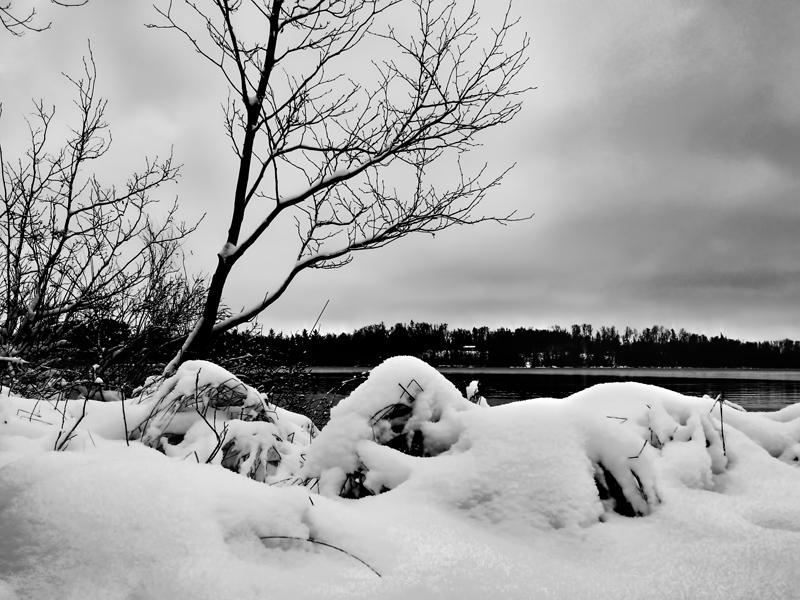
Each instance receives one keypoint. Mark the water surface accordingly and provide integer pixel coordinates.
(764, 390)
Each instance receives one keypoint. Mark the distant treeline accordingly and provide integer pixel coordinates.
(579, 346)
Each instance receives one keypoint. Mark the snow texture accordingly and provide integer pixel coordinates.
(227, 251)
(472, 390)
(473, 396)
(404, 403)
(525, 500)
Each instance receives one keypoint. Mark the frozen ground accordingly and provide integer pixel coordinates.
(524, 500)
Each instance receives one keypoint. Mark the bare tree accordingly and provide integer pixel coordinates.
(19, 23)
(159, 315)
(343, 144)
(73, 248)
(171, 300)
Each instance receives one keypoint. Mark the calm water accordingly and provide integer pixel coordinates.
(753, 389)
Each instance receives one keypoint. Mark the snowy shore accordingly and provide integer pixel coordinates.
(212, 492)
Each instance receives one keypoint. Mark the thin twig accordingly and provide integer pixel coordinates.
(320, 314)
(722, 426)
(30, 418)
(220, 441)
(640, 451)
(69, 436)
(35, 406)
(125, 423)
(313, 541)
(639, 486)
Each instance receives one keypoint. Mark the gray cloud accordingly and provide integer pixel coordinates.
(659, 154)
(760, 281)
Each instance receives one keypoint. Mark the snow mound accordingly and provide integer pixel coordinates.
(405, 405)
(522, 500)
(201, 413)
(196, 389)
(543, 462)
(131, 523)
(473, 394)
(204, 412)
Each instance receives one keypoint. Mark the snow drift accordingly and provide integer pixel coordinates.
(622, 491)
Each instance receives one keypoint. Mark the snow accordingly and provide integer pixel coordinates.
(475, 501)
(473, 396)
(402, 392)
(227, 251)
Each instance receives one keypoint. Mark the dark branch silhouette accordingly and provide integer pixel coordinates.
(19, 23)
(74, 249)
(341, 147)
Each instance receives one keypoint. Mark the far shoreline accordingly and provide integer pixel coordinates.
(680, 372)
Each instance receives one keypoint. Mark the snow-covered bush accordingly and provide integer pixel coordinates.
(473, 395)
(202, 412)
(197, 391)
(405, 405)
(610, 448)
(517, 499)
(205, 412)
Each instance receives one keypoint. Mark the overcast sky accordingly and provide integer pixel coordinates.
(660, 155)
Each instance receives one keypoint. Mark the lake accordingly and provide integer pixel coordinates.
(755, 390)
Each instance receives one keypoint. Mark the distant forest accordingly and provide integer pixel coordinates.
(578, 346)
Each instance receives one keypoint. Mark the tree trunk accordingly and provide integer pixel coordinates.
(202, 334)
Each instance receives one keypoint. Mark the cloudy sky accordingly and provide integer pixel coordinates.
(660, 154)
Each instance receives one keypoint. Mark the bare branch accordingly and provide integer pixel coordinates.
(18, 25)
(358, 151)
(73, 248)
